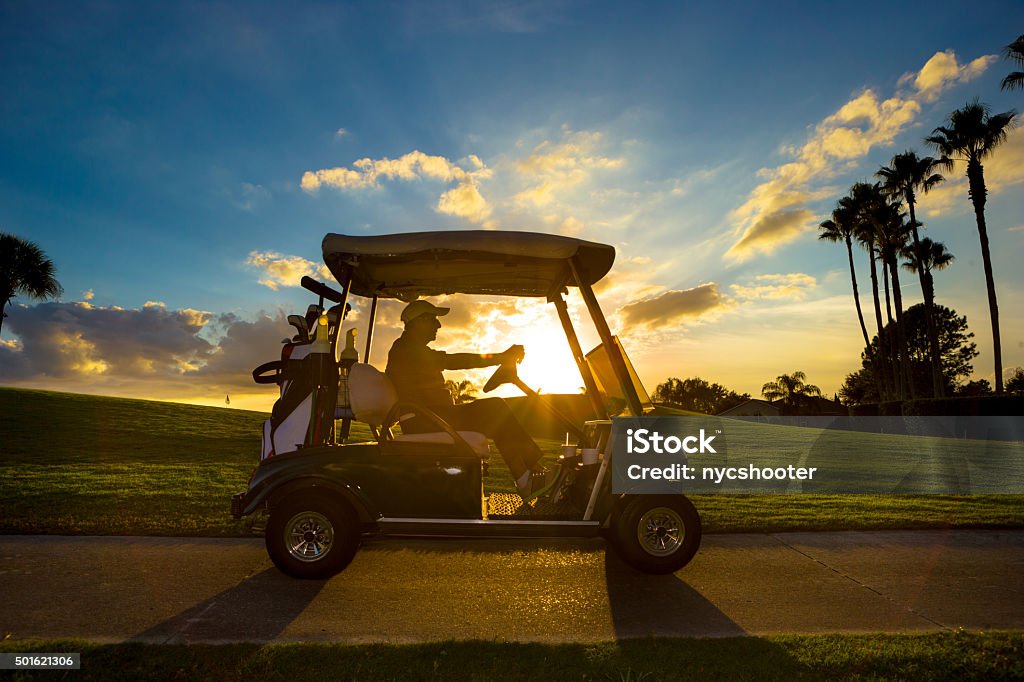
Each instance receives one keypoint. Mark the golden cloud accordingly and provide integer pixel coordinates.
(279, 270)
(465, 201)
(793, 285)
(772, 230)
(943, 71)
(671, 306)
(555, 167)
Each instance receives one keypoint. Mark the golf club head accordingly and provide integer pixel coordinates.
(299, 322)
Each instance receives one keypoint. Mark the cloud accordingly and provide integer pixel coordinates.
(279, 270)
(249, 196)
(69, 340)
(943, 71)
(771, 230)
(669, 307)
(775, 212)
(88, 295)
(789, 286)
(1002, 171)
(147, 352)
(464, 200)
(340, 133)
(554, 167)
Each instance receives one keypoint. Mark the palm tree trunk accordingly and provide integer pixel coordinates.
(929, 302)
(976, 180)
(906, 378)
(5, 298)
(894, 362)
(885, 282)
(882, 365)
(929, 312)
(856, 294)
(860, 318)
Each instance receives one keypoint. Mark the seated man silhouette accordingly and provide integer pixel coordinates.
(416, 371)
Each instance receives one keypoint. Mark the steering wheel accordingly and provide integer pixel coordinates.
(506, 374)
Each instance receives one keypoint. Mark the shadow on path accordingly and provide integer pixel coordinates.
(258, 609)
(660, 605)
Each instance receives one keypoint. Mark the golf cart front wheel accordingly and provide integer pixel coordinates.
(657, 533)
(312, 536)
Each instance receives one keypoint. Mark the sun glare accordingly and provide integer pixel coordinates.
(548, 366)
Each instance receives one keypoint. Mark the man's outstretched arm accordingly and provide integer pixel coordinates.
(478, 360)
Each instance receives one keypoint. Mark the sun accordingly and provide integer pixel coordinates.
(549, 366)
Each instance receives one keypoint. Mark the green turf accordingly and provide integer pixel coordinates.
(937, 656)
(77, 464)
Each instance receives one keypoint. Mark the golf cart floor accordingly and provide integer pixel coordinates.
(511, 506)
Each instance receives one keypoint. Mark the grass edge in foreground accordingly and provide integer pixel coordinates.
(937, 655)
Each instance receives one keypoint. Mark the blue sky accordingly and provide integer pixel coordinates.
(174, 159)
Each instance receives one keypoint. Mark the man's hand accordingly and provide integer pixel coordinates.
(513, 353)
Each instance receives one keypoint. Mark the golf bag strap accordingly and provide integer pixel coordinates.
(276, 371)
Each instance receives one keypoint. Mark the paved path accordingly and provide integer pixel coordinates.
(213, 590)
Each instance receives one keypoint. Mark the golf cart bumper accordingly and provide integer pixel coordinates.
(238, 505)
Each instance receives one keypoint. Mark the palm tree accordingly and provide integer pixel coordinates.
(841, 228)
(925, 257)
(904, 175)
(462, 391)
(862, 202)
(25, 270)
(893, 236)
(791, 389)
(972, 134)
(1015, 52)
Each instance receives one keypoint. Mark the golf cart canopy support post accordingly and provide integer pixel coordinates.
(577, 354)
(369, 329)
(614, 355)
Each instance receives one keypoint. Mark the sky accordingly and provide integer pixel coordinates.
(181, 162)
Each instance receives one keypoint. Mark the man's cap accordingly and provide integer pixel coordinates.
(419, 308)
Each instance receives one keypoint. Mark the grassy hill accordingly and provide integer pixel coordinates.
(82, 464)
(71, 428)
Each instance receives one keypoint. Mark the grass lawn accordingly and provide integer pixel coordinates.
(76, 464)
(944, 656)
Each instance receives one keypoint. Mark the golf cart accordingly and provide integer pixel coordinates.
(324, 495)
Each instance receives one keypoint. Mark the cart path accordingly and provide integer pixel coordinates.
(219, 590)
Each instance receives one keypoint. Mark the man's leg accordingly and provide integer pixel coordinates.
(493, 418)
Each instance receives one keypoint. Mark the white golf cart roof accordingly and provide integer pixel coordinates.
(408, 266)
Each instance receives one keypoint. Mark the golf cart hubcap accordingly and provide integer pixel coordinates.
(308, 536)
(660, 531)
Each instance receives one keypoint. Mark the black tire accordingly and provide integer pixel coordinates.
(309, 535)
(657, 533)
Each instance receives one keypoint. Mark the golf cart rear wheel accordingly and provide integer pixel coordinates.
(311, 536)
(657, 533)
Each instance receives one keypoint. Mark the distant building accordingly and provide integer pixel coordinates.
(811, 406)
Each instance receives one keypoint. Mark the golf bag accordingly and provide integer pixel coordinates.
(303, 415)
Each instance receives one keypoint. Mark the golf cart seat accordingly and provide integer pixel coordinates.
(375, 402)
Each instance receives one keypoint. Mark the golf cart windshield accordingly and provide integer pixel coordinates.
(505, 263)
